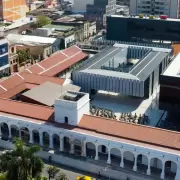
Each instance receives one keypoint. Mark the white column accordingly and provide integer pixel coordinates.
(149, 166)
(162, 172)
(84, 148)
(109, 157)
(97, 155)
(72, 147)
(41, 139)
(135, 163)
(122, 159)
(51, 145)
(31, 141)
(177, 177)
(61, 143)
(10, 135)
(19, 132)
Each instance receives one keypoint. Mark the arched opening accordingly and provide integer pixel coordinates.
(103, 153)
(170, 170)
(77, 147)
(46, 139)
(56, 141)
(128, 160)
(67, 145)
(36, 137)
(90, 150)
(24, 132)
(4, 130)
(14, 131)
(142, 163)
(115, 156)
(156, 167)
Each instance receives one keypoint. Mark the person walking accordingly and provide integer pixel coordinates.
(99, 176)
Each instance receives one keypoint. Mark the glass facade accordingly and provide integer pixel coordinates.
(130, 29)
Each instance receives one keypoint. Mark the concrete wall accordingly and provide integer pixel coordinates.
(74, 110)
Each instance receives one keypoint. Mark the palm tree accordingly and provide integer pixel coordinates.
(21, 163)
(52, 171)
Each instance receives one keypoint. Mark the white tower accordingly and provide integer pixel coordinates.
(71, 106)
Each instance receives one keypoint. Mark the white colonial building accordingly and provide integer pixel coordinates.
(68, 127)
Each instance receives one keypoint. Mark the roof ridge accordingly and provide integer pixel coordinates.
(140, 125)
(66, 59)
(21, 102)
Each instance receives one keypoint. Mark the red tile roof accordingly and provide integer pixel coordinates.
(53, 71)
(35, 69)
(40, 79)
(52, 60)
(139, 133)
(12, 81)
(14, 91)
(64, 59)
(26, 110)
(22, 81)
(71, 50)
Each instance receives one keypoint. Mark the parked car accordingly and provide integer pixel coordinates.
(85, 178)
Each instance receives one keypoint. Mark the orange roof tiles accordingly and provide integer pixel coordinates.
(26, 110)
(14, 91)
(39, 79)
(59, 58)
(64, 65)
(35, 69)
(71, 50)
(22, 81)
(52, 60)
(149, 135)
(12, 81)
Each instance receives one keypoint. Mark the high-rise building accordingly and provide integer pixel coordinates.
(155, 7)
(123, 2)
(99, 10)
(12, 9)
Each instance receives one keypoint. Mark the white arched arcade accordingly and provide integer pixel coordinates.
(128, 156)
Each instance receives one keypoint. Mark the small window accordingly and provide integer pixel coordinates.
(66, 120)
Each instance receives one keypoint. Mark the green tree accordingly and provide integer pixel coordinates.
(3, 176)
(42, 21)
(61, 176)
(21, 163)
(52, 171)
(23, 55)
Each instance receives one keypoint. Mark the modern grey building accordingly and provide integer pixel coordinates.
(99, 10)
(125, 69)
(155, 7)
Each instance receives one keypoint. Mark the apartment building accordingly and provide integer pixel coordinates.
(12, 9)
(155, 7)
(100, 10)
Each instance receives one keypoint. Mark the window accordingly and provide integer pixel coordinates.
(66, 120)
(103, 149)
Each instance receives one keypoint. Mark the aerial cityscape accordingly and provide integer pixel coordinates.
(90, 90)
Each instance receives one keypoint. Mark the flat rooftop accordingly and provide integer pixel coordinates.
(59, 27)
(120, 104)
(48, 92)
(140, 70)
(174, 68)
(137, 17)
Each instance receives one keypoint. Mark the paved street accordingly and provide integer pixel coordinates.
(71, 173)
